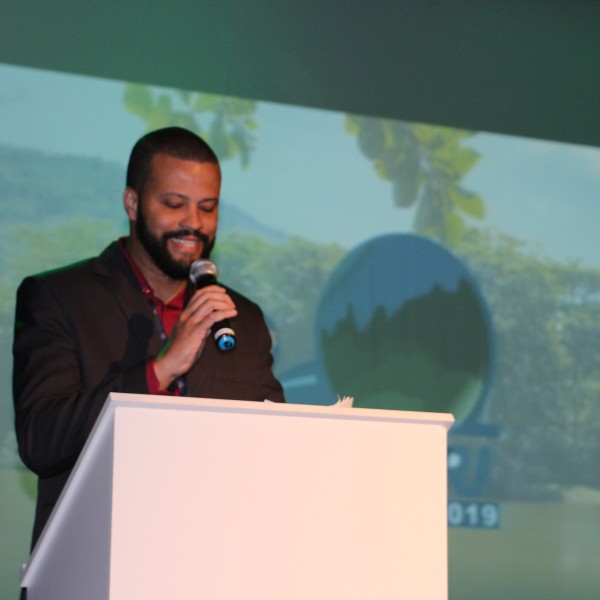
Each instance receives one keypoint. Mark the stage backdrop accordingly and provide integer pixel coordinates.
(409, 265)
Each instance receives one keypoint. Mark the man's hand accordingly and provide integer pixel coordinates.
(208, 306)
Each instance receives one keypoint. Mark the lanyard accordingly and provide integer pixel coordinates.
(179, 386)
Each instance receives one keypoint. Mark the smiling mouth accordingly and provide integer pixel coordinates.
(186, 245)
(186, 242)
(189, 244)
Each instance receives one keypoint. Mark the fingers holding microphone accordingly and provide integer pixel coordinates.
(208, 308)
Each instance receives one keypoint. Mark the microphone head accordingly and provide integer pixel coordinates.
(202, 268)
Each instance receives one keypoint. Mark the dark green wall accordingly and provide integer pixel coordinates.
(526, 67)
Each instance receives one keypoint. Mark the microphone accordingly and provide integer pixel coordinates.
(202, 273)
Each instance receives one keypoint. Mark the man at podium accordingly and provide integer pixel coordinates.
(129, 320)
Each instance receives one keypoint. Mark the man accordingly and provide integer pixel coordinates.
(128, 321)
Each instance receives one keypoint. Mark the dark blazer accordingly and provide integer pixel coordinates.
(87, 330)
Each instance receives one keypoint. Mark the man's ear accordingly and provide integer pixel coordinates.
(130, 202)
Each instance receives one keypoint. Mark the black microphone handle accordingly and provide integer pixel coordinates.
(224, 335)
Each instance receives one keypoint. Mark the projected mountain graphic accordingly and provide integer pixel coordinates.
(402, 325)
(41, 188)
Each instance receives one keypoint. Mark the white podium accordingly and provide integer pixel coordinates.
(213, 499)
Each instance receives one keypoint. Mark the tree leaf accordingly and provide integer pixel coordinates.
(469, 203)
(371, 138)
(138, 99)
(454, 228)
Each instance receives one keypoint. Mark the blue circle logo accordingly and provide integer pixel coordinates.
(401, 324)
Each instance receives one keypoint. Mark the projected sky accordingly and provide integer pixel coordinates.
(535, 190)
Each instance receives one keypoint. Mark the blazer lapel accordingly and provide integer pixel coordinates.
(123, 285)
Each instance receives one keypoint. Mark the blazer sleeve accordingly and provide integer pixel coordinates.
(270, 387)
(246, 373)
(54, 408)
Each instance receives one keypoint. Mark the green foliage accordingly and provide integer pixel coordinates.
(425, 165)
(286, 280)
(227, 124)
(34, 250)
(545, 394)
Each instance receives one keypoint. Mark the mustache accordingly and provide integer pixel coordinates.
(187, 232)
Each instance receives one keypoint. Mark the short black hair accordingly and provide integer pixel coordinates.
(173, 141)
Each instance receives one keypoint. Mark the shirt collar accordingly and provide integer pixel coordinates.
(177, 301)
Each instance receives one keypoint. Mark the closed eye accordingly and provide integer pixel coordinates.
(173, 205)
(209, 205)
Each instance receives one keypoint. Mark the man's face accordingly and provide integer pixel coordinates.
(176, 216)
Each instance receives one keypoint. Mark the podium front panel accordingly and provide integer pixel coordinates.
(195, 498)
(277, 504)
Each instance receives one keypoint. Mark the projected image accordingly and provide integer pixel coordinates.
(402, 326)
(412, 266)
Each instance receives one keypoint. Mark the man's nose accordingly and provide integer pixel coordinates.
(193, 218)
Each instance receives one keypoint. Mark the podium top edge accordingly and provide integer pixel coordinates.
(116, 399)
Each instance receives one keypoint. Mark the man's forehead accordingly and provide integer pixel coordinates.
(164, 158)
(165, 165)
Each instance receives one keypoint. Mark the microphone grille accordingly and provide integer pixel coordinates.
(202, 267)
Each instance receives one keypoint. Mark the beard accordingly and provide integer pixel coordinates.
(158, 250)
